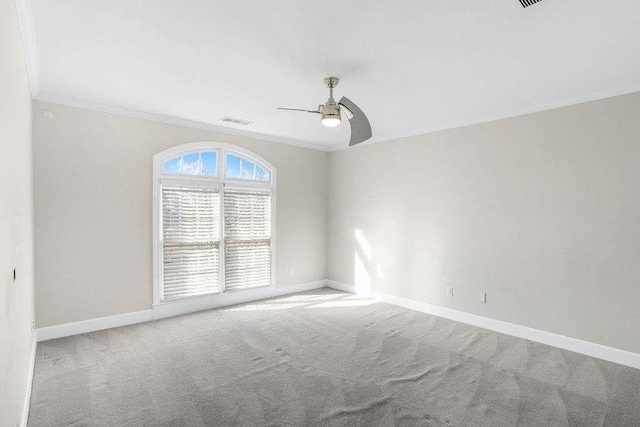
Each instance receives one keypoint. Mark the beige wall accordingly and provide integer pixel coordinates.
(93, 201)
(16, 220)
(541, 211)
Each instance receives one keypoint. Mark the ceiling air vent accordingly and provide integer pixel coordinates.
(235, 121)
(527, 3)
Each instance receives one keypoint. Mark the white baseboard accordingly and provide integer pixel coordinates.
(171, 309)
(599, 351)
(176, 308)
(341, 287)
(27, 396)
(91, 325)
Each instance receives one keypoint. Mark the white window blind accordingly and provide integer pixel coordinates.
(191, 241)
(247, 238)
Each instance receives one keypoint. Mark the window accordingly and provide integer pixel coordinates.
(247, 238)
(190, 241)
(237, 167)
(213, 221)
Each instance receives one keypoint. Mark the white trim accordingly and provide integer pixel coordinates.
(599, 351)
(341, 287)
(184, 180)
(91, 325)
(27, 31)
(27, 396)
(546, 106)
(171, 309)
(455, 124)
(156, 249)
(176, 121)
(223, 259)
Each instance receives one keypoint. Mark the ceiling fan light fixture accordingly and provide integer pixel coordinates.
(331, 121)
(330, 111)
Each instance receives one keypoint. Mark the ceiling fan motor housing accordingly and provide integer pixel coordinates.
(330, 109)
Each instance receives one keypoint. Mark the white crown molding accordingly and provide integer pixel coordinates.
(54, 99)
(25, 20)
(27, 396)
(171, 309)
(567, 102)
(328, 148)
(336, 147)
(587, 348)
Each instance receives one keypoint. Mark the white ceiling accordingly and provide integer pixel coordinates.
(412, 66)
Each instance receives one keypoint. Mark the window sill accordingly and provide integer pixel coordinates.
(209, 301)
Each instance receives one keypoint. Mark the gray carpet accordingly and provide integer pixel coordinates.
(322, 358)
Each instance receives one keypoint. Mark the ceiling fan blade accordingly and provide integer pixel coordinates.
(360, 126)
(298, 109)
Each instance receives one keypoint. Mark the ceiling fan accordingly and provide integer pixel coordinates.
(331, 110)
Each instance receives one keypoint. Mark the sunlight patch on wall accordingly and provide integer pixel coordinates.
(362, 280)
(364, 244)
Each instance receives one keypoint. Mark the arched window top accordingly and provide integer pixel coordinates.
(203, 163)
(240, 167)
(214, 161)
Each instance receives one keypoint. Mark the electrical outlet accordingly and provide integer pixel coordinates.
(33, 324)
(291, 272)
(482, 297)
(449, 291)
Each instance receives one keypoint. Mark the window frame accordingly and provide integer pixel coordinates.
(220, 182)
